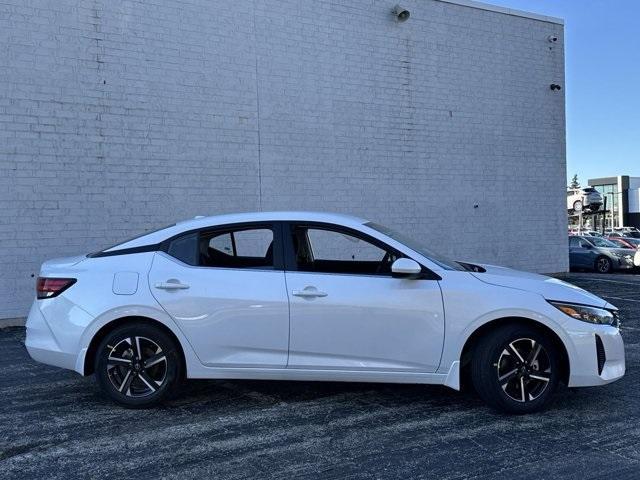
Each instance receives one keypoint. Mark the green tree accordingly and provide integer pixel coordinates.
(574, 182)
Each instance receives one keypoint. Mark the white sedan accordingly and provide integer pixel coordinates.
(313, 296)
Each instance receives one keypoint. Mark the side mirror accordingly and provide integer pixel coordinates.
(406, 268)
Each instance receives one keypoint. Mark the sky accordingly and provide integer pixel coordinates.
(602, 40)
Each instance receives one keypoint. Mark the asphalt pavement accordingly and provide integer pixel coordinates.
(56, 424)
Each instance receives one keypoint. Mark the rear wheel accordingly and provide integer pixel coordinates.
(138, 365)
(515, 369)
(603, 265)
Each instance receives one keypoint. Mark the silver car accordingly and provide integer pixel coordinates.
(587, 198)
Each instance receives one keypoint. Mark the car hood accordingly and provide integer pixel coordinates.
(549, 288)
(620, 251)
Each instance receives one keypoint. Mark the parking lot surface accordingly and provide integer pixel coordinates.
(56, 424)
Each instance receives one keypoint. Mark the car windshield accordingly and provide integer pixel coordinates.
(601, 242)
(436, 258)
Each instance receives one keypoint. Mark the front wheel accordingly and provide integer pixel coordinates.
(515, 369)
(138, 365)
(603, 265)
(577, 206)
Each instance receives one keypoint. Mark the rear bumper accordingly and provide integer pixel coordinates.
(43, 345)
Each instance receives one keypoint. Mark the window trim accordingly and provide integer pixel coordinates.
(290, 262)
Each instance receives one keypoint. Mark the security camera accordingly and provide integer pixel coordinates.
(552, 38)
(555, 86)
(401, 14)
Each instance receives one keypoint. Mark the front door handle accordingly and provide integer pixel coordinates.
(308, 292)
(171, 285)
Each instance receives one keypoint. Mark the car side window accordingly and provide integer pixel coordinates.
(185, 249)
(222, 243)
(574, 242)
(332, 251)
(240, 248)
(246, 248)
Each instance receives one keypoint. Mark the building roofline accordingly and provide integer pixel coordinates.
(505, 10)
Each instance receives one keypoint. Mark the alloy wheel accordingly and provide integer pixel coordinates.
(136, 366)
(524, 370)
(603, 265)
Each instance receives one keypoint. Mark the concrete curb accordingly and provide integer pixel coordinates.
(12, 322)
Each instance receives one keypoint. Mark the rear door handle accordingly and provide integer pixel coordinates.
(171, 285)
(308, 292)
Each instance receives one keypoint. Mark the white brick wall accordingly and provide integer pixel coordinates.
(117, 116)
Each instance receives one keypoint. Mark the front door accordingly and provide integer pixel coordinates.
(225, 288)
(349, 313)
(581, 253)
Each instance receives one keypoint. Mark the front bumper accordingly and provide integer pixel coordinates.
(588, 367)
(624, 263)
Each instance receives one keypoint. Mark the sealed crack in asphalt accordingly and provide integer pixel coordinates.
(56, 424)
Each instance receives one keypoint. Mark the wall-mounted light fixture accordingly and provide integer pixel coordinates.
(555, 86)
(401, 14)
(552, 39)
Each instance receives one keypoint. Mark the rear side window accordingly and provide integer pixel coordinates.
(252, 248)
(185, 249)
(241, 248)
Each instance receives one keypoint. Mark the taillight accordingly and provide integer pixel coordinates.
(52, 287)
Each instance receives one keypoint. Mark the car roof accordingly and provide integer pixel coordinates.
(273, 216)
(234, 218)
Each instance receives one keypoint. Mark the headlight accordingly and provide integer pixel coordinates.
(595, 315)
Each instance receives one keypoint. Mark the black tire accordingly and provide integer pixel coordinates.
(143, 386)
(494, 360)
(603, 264)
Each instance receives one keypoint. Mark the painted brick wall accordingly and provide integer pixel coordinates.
(118, 116)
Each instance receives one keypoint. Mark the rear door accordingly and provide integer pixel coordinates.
(349, 313)
(225, 288)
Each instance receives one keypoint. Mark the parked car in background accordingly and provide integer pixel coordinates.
(587, 198)
(625, 242)
(313, 296)
(589, 233)
(628, 232)
(599, 254)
